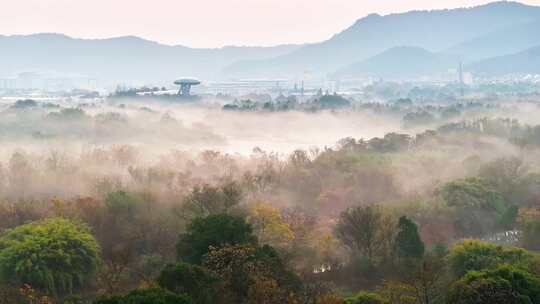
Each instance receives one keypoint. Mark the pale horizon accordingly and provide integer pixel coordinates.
(264, 23)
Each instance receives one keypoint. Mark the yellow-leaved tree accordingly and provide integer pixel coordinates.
(269, 225)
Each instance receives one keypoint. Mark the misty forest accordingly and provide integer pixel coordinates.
(396, 175)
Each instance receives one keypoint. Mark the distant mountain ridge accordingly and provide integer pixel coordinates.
(404, 62)
(435, 31)
(525, 62)
(126, 58)
(498, 43)
(373, 44)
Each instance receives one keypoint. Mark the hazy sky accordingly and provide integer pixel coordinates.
(203, 23)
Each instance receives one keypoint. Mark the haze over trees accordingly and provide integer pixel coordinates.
(401, 191)
(379, 220)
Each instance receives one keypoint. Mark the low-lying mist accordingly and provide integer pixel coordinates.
(91, 148)
(157, 128)
(457, 170)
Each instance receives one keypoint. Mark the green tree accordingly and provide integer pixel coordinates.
(195, 281)
(398, 293)
(408, 242)
(328, 101)
(503, 285)
(477, 204)
(505, 175)
(116, 227)
(122, 205)
(527, 190)
(477, 255)
(146, 296)
(419, 118)
(365, 298)
(508, 219)
(55, 255)
(252, 273)
(206, 200)
(531, 235)
(213, 231)
(425, 278)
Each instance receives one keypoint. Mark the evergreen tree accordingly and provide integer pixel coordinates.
(215, 230)
(408, 242)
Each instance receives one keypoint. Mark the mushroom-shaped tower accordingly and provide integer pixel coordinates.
(185, 85)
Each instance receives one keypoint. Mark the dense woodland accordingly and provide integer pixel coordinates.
(447, 214)
(394, 162)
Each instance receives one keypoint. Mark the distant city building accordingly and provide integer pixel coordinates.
(244, 86)
(50, 81)
(8, 83)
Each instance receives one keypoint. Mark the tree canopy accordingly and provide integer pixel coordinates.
(55, 255)
(408, 243)
(147, 296)
(198, 283)
(479, 206)
(364, 230)
(214, 230)
(253, 274)
(476, 255)
(365, 298)
(503, 284)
